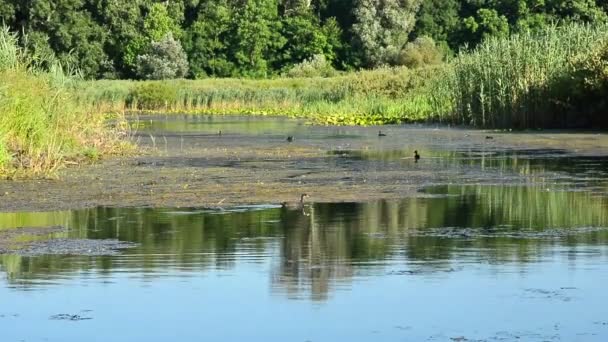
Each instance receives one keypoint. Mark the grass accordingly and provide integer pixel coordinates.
(526, 80)
(365, 97)
(554, 78)
(42, 126)
(523, 81)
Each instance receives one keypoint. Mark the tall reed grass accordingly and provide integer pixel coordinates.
(41, 123)
(527, 80)
(388, 95)
(524, 81)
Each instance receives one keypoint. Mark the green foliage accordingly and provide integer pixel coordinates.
(316, 66)
(588, 85)
(155, 27)
(487, 23)
(523, 81)
(382, 28)
(257, 36)
(264, 38)
(421, 52)
(155, 95)
(165, 59)
(42, 124)
(306, 38)
(206, 40)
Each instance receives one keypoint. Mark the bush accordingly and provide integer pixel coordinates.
(152, 96)
(421, 52)
(316, 66)
(165, 59)
(587, 87)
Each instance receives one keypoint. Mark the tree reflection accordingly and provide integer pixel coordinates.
(328, 244)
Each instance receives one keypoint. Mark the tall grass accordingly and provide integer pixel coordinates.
(41, 123)
(527, 80)
(523, 81)
(388, 95)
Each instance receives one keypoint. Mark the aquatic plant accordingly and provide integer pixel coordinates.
(522, 81)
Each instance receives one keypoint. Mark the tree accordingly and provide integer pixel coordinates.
(382, 28)
(123, 20)
(438, 19)
(255, 36)
(165, 60)
(156, 25)
(67, 28)
(304, 38)
(207, 39)
(486, 23)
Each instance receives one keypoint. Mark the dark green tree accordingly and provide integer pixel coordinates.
(255, 37)
(207, 39)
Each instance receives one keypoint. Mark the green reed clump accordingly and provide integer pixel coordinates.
(528, 80)
(521, 81)
(42, 125)
(386, 95)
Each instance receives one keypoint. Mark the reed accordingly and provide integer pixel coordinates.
(42, 125)
(523, 81)
(527, 80)
(387, 95)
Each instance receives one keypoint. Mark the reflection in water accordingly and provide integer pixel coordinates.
(328, 244)
(590, 173)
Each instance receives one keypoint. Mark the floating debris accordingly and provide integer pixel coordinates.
(87, 247)
(68, 317)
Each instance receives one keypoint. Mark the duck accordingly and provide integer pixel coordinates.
(380, 134)
(219, 133)
(290, 138)
(298, 205)
(489, 137)
(416, 156)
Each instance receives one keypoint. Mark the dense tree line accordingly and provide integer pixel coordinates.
(259, 38)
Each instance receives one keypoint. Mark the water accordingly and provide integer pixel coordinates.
(490, 261)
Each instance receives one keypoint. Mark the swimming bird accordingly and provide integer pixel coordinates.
(489, 137)
(380, 134)
(290, 138)
(219, 133)
(298, 205)
(416, 156)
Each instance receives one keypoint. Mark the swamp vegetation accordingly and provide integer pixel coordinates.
(42, 125)
(555, 78)
(550, 78)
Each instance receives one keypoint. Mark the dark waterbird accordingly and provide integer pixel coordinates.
(380, 134)
(296, 205)
(290, 138)
(489, 137)
(416, 156)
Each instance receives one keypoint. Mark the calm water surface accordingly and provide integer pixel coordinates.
(491, 262)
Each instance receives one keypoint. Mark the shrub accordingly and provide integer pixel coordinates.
(421, 52)
(316, 66)
(152, 96)
(165, 59)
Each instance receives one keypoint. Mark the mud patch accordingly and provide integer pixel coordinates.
(86, 247)
(36, 241)
(504, 232)
(16, 238)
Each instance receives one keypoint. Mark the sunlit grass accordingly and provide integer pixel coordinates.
(42, 125)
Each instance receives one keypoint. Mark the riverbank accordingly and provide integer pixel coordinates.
(549, 79)
(186, 164)
(553, 78)
(42, 125)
